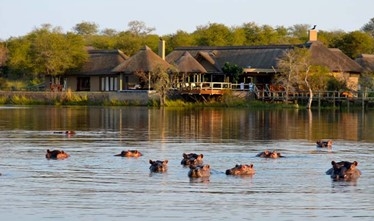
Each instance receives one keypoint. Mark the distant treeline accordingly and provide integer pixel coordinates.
(49, 50)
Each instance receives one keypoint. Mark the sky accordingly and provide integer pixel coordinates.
(20, 17)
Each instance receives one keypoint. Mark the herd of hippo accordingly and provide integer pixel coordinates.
(343, 170)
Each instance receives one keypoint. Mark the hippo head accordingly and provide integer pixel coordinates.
(192, 159)
(129, 153)
(344, 170)
(324, 143)
(269, 154)
(133, 153)
(70, 132)
(158, 166)
(241, 169)
(56, 154)
(274, 154)
(199, 171)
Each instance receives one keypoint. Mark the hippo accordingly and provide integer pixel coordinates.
(56, 154)
(158, 166)
(192, 159)
(269, 154)
(129, 153)
(241, 169)
(344, 170)
(324, 143)
(67, 132)
(199, 171)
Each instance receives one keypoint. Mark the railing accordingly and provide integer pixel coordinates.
(269, 92)
(205, 85)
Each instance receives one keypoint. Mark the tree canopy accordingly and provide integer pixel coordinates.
(46, 51)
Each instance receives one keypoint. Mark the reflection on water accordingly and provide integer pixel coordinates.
(94, 185)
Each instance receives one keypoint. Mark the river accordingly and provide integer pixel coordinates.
(93, 184)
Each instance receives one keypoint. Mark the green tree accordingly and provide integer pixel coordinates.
(369, 27)
(319, 77)
(300, 32)
(213, 34)
(180, 38)
(237, 36)
(139, 28)
(110, 32)
(252, 33)
(355, 43)
(102, 42)
(128, 43)
(19, 60)
(233, 71)
(86, 28)
(366, 81)
(329, 38)
(3, 53)
(47, 51)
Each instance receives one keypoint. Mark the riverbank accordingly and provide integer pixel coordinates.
(126, 98)
(129, 98)
(151, 99)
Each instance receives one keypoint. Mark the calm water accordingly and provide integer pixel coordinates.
(94, 185)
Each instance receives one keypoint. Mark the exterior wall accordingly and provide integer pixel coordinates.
(351, 79)
(72, 83)
(95, 83)
(353, 83)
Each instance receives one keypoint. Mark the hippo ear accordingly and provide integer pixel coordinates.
(333, 163)
(201, 155)
(251, 166)
(207, 166)
(165, 162)
(355, 163)
(150, 161)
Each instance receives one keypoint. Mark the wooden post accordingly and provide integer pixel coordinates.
(319, 100)
(362, 99)
(348, 103)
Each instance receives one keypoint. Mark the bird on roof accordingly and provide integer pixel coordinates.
(314, 27)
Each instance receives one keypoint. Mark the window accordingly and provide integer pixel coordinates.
(83, 84)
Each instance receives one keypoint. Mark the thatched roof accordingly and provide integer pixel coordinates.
(264, 57)
(143, 61)
(188, 64)
(333, 58)
(102, 62)
(366, 61)
(213, 58)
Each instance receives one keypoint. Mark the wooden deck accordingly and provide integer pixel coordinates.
(216, 89)
(205, 88)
